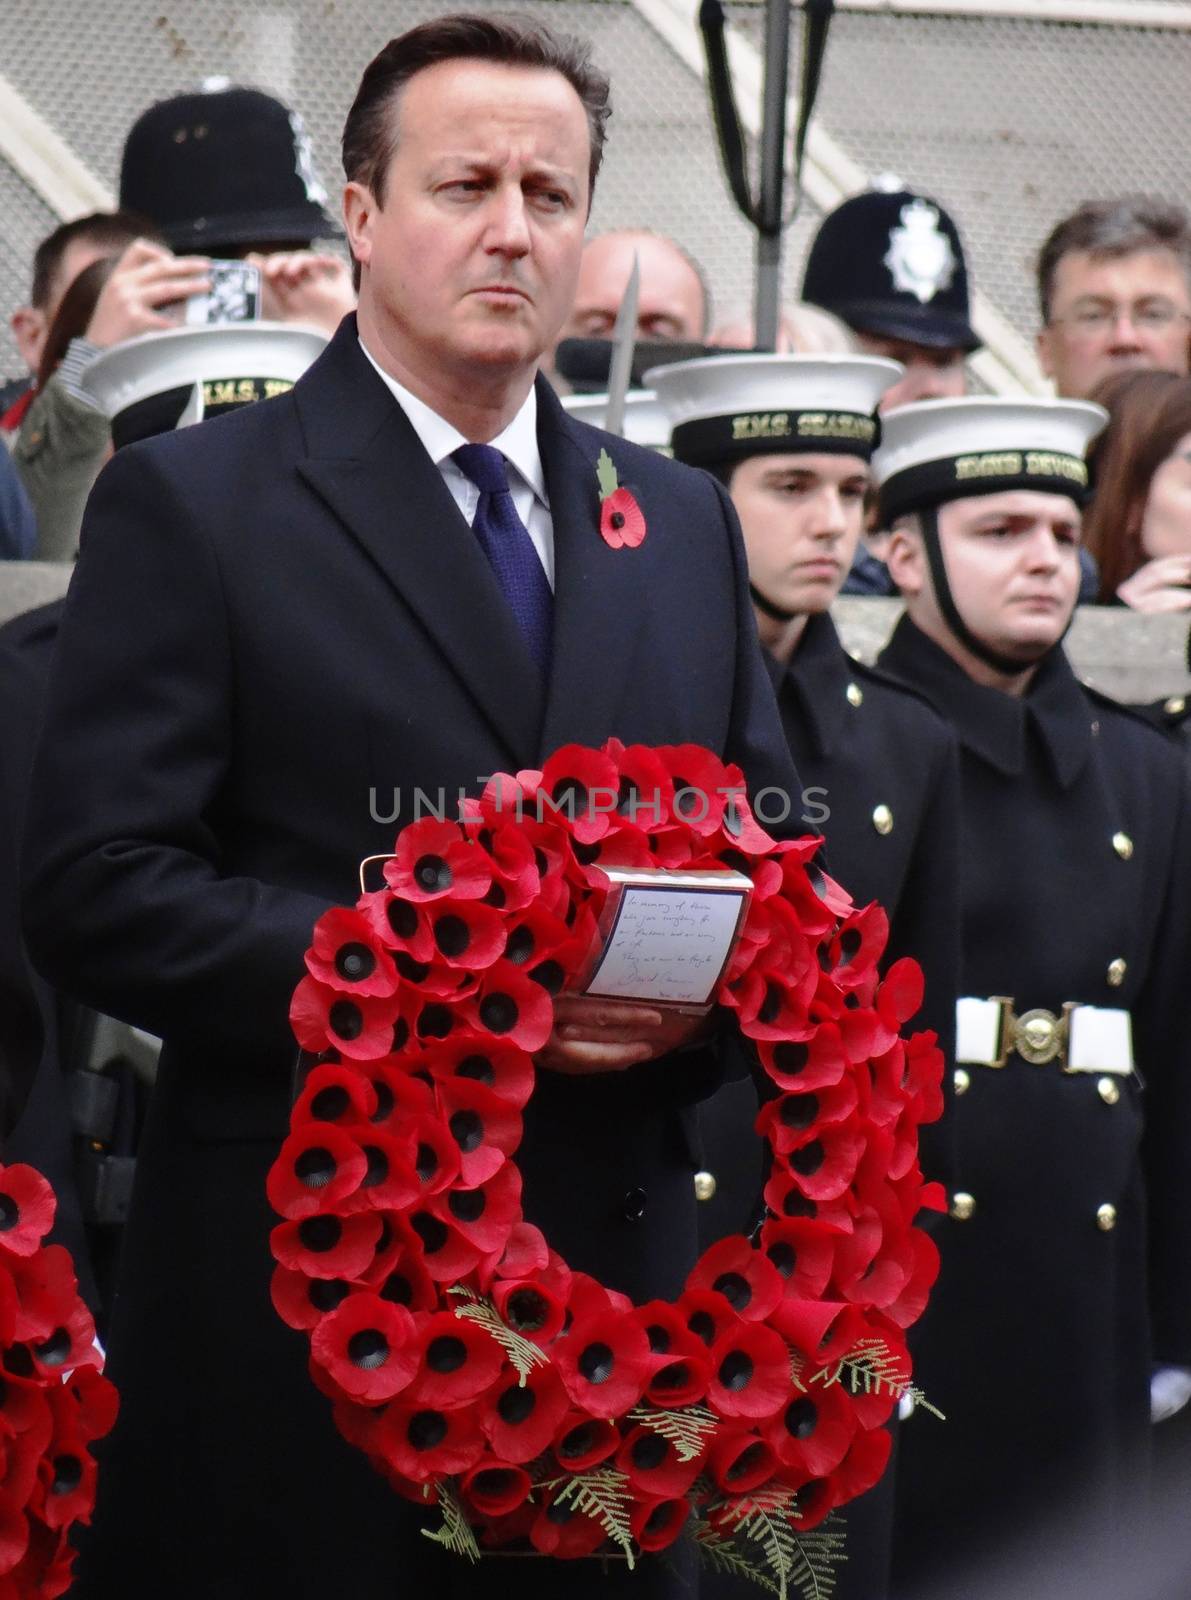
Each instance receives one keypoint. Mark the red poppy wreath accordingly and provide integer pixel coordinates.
(461, 1353)
(54, 1403)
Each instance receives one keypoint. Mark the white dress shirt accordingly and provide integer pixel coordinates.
(519, 446)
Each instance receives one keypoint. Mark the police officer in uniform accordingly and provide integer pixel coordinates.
(791, 438)
(1066, 1256)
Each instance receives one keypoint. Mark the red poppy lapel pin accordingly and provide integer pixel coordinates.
(621, 519)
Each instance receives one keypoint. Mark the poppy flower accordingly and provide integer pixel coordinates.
(824, 1166)
(812, 1432)
(590, 1298)
(447, 1254)
(478, 1058)
(791, 1121)
(856, 946)
(900, 995)
(467, 934)
(816, 899)
(326, 1246)
(456, 1361)
(303, 1302)
(645, 791)
(399, 1273)
(622, 522)
(486, 1128)
(435, 1153)
(701, 785)
(345, 953)
(874, 1261)
(680, 1372)
(27, 1207)
(422, 1443)
(334, 1093)
(496, 1532)
(509, 1007)
(484, 1213)
(862, 1467)
(801, 1065)
(822, 1331)
(399, 1091)
(520, 1419)
(739, 1461)
(653, 1466)
(529, 1309)
(88, 1400)
(582, 785)
(786, 1201)
(707, 1314)
(68, 1483)
(605, 1363)
(433, 859)
(46, 1291)
(748, 1282)
(655, 1524)
(360, 1026)
(802, 1250)
(496, 1488)
(582, 1442)
(924, 1270)
(390, 1181)
(561, 1531)
(318, 1167)
(750, 1371)
(526, 1253)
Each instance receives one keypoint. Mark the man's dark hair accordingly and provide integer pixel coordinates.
(1113, 228)
(370, 132)
(108, 230)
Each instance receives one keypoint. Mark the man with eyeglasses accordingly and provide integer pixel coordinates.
(1114, 286)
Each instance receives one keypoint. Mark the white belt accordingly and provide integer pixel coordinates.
(1084, 1038)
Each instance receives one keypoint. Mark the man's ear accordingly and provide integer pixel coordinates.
(29, 332)
(1045, 354)
(359, 220)
(905, 557)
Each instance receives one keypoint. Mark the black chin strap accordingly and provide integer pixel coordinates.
(774, 613)
(1011, 666)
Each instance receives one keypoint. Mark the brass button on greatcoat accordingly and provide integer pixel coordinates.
(704, 1186)
(963, 1080)
(1106, 1218)
(855, 694)
(962, 1206)
(1109, 1090)
(1116, 971)
(1175, 705)
(1123, 845)
(883, 819)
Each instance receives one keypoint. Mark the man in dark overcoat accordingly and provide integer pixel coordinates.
(1066, 1269)
(280, 627)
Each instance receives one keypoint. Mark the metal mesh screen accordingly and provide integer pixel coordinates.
(1009, 123)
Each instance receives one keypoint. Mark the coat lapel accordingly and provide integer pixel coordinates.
(598, 608)
(368, 466)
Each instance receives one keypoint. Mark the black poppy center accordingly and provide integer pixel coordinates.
(426, 1162)
(452, 936)
(784, 1257)
(659, 1339)
(446, 1354)
(659, 1518)
(478, 1068)
(378, 1167)
(801, 1417)
(384, 1101)
(849, 945)
(403, 918)
(747, 1461)
(520, 946)
(649, 1451)
(526, 1310)
(320, 1234)
(674, 1376)
(770, 1008)
(686, 798)
(315, 1167)
(432, 874)
(799, 1110)
(702, 1325)
(736, 1290)
(493, 1483)
(736, 1370)
(435, 1022)
(617, 520)
(68, 1474)
(54, 1351)
(560, 1514)
(398, 1290)
(329, 1104)
(346, 1019)
(571, 796)
(412, 971)
(426, 1429)
(368, 1349)
(468, 1204)
(790, 1058)
(467, 1130)
(516, 1406)
(596, 1363)
(354, 962)
(499, 1013)
(797, 1205)
(809, 1159)
(431, 1231)
(578, 1441)
(550, 975)
(325, 1294)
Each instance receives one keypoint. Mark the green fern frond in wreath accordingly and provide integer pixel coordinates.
(872, 1368)
(603, 1494)
(522, 1353)
(456, 1533)
(688, 1431)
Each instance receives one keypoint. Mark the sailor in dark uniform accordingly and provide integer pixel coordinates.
(791, 438)
(1067, 1256)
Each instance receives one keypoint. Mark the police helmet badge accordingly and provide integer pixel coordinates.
(920, 258)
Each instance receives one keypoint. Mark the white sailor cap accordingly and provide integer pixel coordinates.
(645, 422)
(165, 380)
(940, 450)
(724, 408)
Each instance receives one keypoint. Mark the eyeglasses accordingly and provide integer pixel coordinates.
(1154, 316)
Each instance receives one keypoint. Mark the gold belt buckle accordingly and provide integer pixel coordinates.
(1039, 1036)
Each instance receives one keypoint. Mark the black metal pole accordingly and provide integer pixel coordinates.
(772, 173)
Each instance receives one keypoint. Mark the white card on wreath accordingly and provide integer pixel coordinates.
(667, 936)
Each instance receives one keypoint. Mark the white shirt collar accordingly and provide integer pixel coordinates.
(518, 443)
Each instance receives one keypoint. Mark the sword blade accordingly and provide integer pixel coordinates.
(624, 342)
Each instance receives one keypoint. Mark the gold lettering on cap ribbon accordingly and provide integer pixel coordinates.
(1001, 464)
(761, 425)
(836, 425)
(1046, 464)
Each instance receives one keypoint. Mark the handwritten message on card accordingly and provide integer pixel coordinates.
(668, 943)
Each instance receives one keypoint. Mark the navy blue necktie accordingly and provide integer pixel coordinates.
(510, 550)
